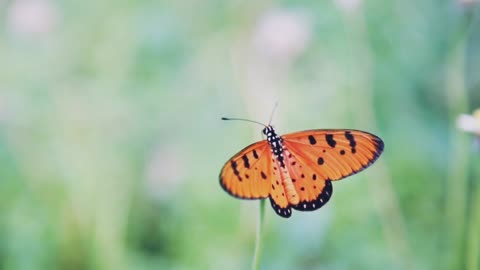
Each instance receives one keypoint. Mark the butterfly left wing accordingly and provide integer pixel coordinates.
(247, 175)
(314, 158)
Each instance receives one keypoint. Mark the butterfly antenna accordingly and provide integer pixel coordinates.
(242, 119)
(273, 112)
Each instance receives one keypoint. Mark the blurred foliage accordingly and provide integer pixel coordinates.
(111, 143)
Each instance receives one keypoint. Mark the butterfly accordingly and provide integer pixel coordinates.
(296, 170)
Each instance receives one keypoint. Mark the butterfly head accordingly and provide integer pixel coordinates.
(268, 131)
(272, 137)
(275, 142)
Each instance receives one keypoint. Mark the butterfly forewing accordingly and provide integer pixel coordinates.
(248, 175)
(333, 154)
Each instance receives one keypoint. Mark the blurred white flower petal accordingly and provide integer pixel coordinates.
(32, 17)
(282, 34)
(469, 123)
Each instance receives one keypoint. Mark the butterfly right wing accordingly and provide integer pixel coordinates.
(316, 157)
(248, 174)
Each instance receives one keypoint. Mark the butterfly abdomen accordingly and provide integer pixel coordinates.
(290, 192)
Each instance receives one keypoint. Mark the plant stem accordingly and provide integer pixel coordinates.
(258, 240)
(473, 240)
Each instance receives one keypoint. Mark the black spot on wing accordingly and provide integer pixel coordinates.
(245, 161)
(264, 176)
(320, 161)
(320, 201)
(311, 139)
(351, 140)
(255, 155)
(234, 167)
(330, 140)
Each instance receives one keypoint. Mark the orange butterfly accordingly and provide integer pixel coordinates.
(296, 169)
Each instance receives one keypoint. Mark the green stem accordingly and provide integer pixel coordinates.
(473, 240)
(258, 240)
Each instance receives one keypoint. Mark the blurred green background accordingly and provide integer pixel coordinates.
(111, 141)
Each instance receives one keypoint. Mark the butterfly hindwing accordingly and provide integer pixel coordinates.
(278, 197)
(285, 212)
(325, 192)
(248, 174)
(314, 190)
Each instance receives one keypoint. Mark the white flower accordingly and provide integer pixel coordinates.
(470, 123)
(31, 17)
(282, 34)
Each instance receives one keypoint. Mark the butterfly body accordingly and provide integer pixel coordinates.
(296, 170)
(278, 150)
